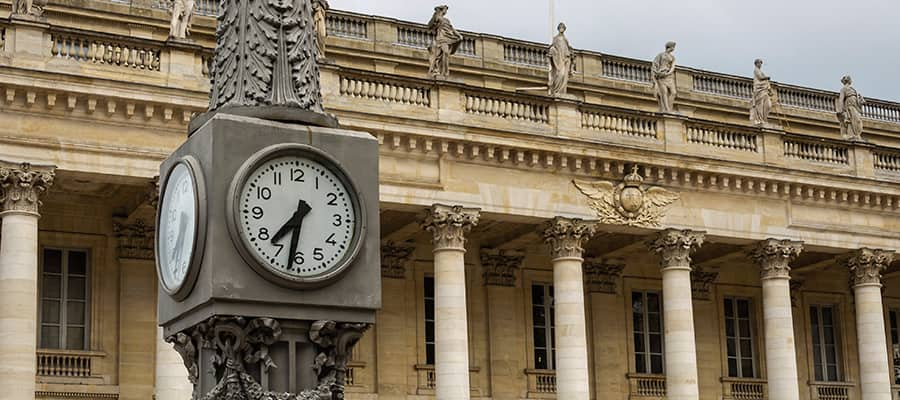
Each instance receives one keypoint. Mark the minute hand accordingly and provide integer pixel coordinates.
(293, 225)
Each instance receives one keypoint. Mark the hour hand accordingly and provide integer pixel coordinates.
(295, 222)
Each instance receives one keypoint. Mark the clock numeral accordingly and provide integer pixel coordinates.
(332, 199)
(318, 255)
(297, 175)
(298, 258)
(257, 212)
(337, 220)
(263, 234)
(263, 193)
(330, 240)
(277, 177)
(317, 183)
(280, 248)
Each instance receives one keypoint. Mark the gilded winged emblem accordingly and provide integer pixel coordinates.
(628, 203)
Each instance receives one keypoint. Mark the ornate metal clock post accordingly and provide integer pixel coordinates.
(267, 239)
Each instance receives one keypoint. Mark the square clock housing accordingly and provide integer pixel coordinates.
(285, 224)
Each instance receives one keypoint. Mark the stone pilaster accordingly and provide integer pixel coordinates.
(21, 187)
(675, 248)
(865, 267)
(394, 258)
(566, 238)
(501, 267)
(773, 257)
(604, 275)
(449, 225)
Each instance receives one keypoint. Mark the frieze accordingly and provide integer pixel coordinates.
(394, 258)
(500, 267)
(629, 202)
(22, 185)
(603, 275)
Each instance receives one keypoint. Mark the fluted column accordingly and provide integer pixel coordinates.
(566, 237)
(449, 225)
(675, 248)
(21, 187)
(773, 258)
(866, 266)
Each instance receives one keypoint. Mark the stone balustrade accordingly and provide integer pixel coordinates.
(886, 161)
(627, 70)
(881, 111)
(420, 37)
(82, 47)
(541, 383)
(744, 389)
(721, 85)
(525, 54)
(66, 363)
(347, 26)
(647, 386)
(806, 99)
(385, 91)
(507, 108)
(621, 124)
(830, 390)
(821, 152)
(723, 138)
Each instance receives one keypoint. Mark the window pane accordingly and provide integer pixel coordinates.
(75, 338)
(830, 354)
(76, 288)
(827, 316)
(429, 309)
(746, 348)
(832, 373)
(829, 335)
(813, 315)
(744, 328)
(51, 287)
(538, 315)
(537, 294)
(638, 320)
(733, 367)
(429, 287)
(49, 337)
(53, 261)
(746, 368)
(729, 328)
(640, 364)
(50, 311)
(655, 343)
(654, 322)
(637, 303)
(77, 263)
(743, 308)
(732, 347)
(429, 354)
(656, 364)
(728, 307)
(429, 332)
(652, 302)
(639, 343)
(540, 359)
(540, 337)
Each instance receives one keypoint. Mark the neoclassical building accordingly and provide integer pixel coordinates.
(583, 246)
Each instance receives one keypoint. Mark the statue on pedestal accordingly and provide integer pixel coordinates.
(182, 16)
(446, 42)
(31, 8)
(562, 63)
(663, 75)
(849, 110)
(319, 9)
(761, 103)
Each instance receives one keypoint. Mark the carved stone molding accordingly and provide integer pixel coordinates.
(796, 287)
(135, 239)
(152, 195)
(394, 257)
(628, 202)
(501, 266)
(866, 265)
(566, 236)
(22, 185)
(237, 342)
(702, 283)
(676, 246)
(774, 257)
(603, 275)
(449, 225)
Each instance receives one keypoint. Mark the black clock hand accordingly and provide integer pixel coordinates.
(179, 240)
(293, 225)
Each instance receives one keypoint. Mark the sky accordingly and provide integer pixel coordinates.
(809, 43)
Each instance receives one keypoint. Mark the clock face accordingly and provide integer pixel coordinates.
(177, 227)
(297, 215)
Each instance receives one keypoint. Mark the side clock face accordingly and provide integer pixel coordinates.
(178, 221)
(297, 215)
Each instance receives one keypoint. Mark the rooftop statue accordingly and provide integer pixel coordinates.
(446, 42)
(663, 70)
(319, 9)
(761, 102)
(32, 8)
(562, 63)
(182, 17)
(849, 110)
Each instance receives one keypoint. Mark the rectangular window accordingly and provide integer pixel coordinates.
(895, 345)
(64, 300)
(739, 338)
(646, 314)
(826, 353)
(429, 320)
(543, 326)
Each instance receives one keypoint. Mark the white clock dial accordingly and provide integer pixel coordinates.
(297, 216)
(177, 227)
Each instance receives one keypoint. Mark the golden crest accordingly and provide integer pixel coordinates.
(628, 202)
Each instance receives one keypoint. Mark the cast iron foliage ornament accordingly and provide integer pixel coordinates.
(266, 55)
(628, 203)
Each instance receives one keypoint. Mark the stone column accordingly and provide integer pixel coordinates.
(866, 266)
(172, 382)
(20, 189)
(565, 237)
(449, 225)
(773, 258)
(675, 248)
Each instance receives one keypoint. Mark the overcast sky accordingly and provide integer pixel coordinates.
(803, 42)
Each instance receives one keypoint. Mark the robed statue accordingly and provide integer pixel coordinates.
(446, 42)
(31, 8)
(663, 75)
(319, 9)
(182, 17)
(849, 110)
(761, 102)
(562, 63)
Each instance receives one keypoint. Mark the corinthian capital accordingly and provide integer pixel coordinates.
(774, 257)
(675, 247)
(566, 236)
(449, 225)
(21, 186)
(866, 265)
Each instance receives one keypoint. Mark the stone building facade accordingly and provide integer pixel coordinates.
(577, 247)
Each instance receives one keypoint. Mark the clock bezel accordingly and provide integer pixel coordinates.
(237, 232)
(184, 289)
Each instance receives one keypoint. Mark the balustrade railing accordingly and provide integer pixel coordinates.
(881, 111)
(507, 108)
(629, 125)
(646, 386)
(525, 54)
(386, 91)
(887, 161)
(830, 391)
(541, 381)
(817, 151)
(723, 85)
(626, 70)
(420, 37)
(426, 377)
(807, 99)
(744, 389)
(724, 138)
(66, 363)
(86, 49)
(209, 8)
(346, 26)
